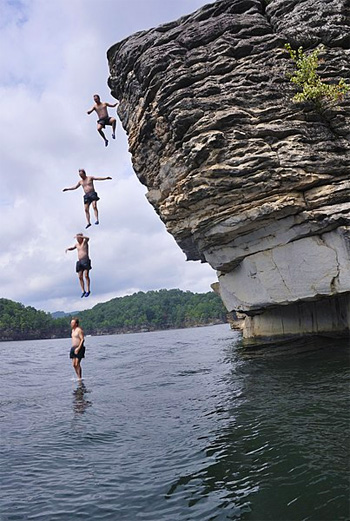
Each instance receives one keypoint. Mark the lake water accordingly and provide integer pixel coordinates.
(174, 426)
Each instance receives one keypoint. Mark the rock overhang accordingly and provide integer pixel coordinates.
(237, 171)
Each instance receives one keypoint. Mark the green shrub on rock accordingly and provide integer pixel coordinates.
(311, 87)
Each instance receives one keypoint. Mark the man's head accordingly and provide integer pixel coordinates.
(79, 237)
(74, 323)
(97, 98)
(82, 173)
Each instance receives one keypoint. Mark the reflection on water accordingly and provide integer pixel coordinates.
(80, 403)
(293, 346)
(277, 429)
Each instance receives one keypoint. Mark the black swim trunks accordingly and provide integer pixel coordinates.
(82, 265)
(104, 121)
(90, 196)
(80, 355)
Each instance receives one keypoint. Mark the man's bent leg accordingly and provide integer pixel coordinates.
(113, 123)
(100, 131)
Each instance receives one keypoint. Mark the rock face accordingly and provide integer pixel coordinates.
(242, 177)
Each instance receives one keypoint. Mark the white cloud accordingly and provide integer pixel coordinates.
(53, 60)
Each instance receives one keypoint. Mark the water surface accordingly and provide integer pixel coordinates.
(174, 426)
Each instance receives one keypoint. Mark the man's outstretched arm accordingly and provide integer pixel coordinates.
(90, 111)
(112, 105)
(71, 188)
(70, 249)
(101, 178)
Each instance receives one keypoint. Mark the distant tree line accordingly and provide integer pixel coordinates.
(154, 310)
(163, 309)
(18, 322)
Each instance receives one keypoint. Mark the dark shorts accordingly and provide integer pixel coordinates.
(83, 265)
(90, 196)
(80, 355)
(104, 121)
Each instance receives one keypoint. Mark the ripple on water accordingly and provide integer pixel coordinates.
(175, 426)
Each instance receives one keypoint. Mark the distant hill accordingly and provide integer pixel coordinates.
(61, 314)
(154, 310)
(18, 322)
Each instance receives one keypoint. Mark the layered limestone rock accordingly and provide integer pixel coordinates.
(242, 177)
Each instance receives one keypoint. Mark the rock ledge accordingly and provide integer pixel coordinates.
(242, 177)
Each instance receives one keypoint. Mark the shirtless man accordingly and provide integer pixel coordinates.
(103, 117)
(83, 265)
(87, 182)
(77, 351)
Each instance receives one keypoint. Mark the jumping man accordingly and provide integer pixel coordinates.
(103, 117)
(83, 265)
(77, 351)
(90, 196)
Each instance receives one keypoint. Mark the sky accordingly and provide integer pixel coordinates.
(52, 61)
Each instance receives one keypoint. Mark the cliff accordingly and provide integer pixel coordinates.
(244, 178)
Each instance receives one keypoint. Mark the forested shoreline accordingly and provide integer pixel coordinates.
(142, 311)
